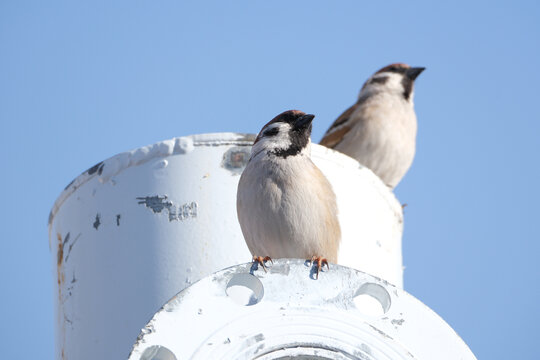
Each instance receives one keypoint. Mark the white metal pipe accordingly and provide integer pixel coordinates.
(285, 314)
(134, 230)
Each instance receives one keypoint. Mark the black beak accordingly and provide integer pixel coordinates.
(412, 73)
(303, 121)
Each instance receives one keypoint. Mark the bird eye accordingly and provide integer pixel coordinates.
(379, 80)
(271, 132)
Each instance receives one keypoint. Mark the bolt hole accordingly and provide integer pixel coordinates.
(157, 352)
(372, 299)
(245, 289)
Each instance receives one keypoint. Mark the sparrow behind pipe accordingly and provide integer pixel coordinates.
(379, 130)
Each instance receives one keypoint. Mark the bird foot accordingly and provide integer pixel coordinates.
(319, 262)
(261, 261)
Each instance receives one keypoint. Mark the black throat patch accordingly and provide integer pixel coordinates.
(407, 87)
(299, 140)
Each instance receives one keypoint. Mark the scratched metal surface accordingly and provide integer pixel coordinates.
(290, 315)
(134, 230)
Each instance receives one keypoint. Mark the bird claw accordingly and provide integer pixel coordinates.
(319, 262)
(261, 261)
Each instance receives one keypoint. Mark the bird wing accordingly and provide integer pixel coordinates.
(335, 133)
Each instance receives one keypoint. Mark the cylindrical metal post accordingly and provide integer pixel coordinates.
(134, 230)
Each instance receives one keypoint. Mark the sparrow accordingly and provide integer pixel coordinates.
(380, 129)
(286, 206)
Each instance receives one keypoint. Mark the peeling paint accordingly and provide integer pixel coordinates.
(180, 145)
(118, 216)
(71, 247)
(398, 322)
(184, 211)
(97, 222)
(96, 168)
(156, 203)
(159, 203)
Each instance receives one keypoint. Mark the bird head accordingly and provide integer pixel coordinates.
(288, 134)
(395, 78)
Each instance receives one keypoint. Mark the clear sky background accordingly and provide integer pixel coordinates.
(80, 82)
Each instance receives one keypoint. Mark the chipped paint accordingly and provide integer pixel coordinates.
(159, 203)
(398, 322)
(118, 216)
(156, 203)
(71, 247)
(107, 260)
(105, 170)
(96, 168)
(97, 222)
(62, 258)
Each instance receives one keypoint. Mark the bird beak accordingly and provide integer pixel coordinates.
(304, 121)
(412, 73)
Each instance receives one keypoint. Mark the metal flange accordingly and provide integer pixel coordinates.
(244, 313)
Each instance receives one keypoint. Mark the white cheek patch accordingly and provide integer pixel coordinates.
(281, 140)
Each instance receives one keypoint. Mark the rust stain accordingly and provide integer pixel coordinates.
(235, 159)
(61, 279)
(60, 260)
(60, 254)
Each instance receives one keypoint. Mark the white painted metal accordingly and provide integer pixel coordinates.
(371, 217)
(285, 314)
(132, 231)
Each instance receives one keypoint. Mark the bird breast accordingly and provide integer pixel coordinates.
(287, 208)
(382, 137)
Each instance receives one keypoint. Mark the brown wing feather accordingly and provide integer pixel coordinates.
(336, 132)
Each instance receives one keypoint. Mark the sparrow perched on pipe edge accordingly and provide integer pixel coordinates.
(286, 206)
(380, 129)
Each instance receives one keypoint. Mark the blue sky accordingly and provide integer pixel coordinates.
(80, 82)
